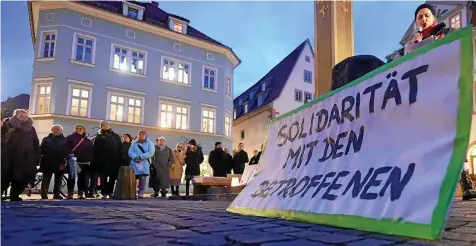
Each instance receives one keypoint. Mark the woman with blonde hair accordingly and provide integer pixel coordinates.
(176, 170)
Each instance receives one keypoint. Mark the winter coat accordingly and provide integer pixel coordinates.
(176, 170)
(21, 151)
(141, 168)
(125, 159)
(240, 158)
(193, 159)
(254, 160)
(229, 163)
(53, 153)
(163, 161)
(84, 151)
(107, 152)
(218, 161)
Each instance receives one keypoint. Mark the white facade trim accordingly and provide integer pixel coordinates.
(126, 90)
(43, 79)
(81, 82)
(36, 84)
(174, 99)
(70, 96)
(214, 110)
(208, 105)
(41, 43)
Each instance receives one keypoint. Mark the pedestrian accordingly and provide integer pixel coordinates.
(240, 158)
(218, 161)
(229, 161)
(255, 159)
(176, 170)
(21, 153)
(53, 152)
(81, 148)
(163, 160)
(140, 154)
(126, 144)
(193, 159)
(107, 157)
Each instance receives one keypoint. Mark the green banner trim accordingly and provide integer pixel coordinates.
(398, 226)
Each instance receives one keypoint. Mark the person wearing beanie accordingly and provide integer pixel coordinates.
(82, 148)
(425, 20)
(193, 159)
(218, 161)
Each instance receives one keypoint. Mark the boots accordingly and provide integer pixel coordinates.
(80, 195)
(467, 186)
(163, 193)
(44, 194)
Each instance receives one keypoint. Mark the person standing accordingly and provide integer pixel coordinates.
(21, 153)
(107, 157)
(163, 160)
(126, 144)
(240, 158)
(140, 154)
(218, 161)
(229, 161)
(53, 152)
(193, 159)
(255, 159)
(82, 149)
(176, 170)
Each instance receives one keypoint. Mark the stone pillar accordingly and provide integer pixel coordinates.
(334, 39)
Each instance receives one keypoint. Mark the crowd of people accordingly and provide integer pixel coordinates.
(87, 161)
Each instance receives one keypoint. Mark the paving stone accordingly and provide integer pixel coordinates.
(465, 229)
(336, 238)
(295, 224)
(263, 226)
(300, 242)
(308, 234)
(373, 242)
(389, 237)
(240, 222)
(459, 236)
(282, 229)
(325, 229)
(215, 228)
(83, 241)
(209, 240)
(353, 232)
(258, 237)
(185, 224)
(176, 234)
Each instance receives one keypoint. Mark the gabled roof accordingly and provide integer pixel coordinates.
(275, 81)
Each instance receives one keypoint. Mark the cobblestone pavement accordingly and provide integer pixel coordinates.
(164, 222)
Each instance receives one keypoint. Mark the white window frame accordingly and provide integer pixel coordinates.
(456, 18)
(174, 115)
(128, 60)
(73, 49)
(210, 56)
(298, 96)
(70, 99)
(84, 22)
(306, 72)
(263, 86)
(234, 114)
(42, 44)
(228, 86)
(245, 106)
(176, 69)
(307, 58)
(50, 17)
(215, 89)
(305, 97)
(37, 96)
(230, 124)
(125, 113)
(214, 119)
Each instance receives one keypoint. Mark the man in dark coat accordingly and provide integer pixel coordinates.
(240, 158)
(218, 161)
(107, 157)
(193, 159)
(21, 154)
(53, 153)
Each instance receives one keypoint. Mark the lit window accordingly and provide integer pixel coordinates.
(178, 27)
(228, 86)
(455, 21)
(84, 49)
(176, 71)
(80, 101)
(208, 120)
(307, 76)
(209, 78)
(181, 118)
(120, 105)
(117, 108)
(174, 116)
(298, 96)
(43, 99)
(49, 41)
(234, 114)
(134, 110)
(246, 108)
(227, 125)
(133, 13)
(128, 60)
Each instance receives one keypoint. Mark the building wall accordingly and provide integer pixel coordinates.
(255, 132)
(62, 73)
(286, 101)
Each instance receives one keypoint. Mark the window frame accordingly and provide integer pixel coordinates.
(228, 86)
(214, 110)
(176, 61)
(305, 97)
(307, 58)
(178, 24)
(453, 17)
(128, 57)
(74, 50)
(125, 113)
(306, 72)
(296, 93)
(242, 134)
(215, 89)
(245, 107)
(230, 124)
(42, 44)
(37, 95)
(174, 113)
(70, 99)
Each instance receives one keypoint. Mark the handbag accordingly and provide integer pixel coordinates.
(151, 167)
(72, 164)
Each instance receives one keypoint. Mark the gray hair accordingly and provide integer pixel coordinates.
(19, 110)
(162, 137)
(56, 125)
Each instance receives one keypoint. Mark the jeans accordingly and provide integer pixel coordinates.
(83, 179)
(142, 184)
(45, 183)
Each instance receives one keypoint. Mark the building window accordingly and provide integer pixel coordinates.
(252, 95)
(176, 71)
(242, 134)
(246, 107)
(260, 99)
(208, 120)
(84, 48)
(43, 98)
(234, 114)
(178, 27)
(209, 78)
(80, 101)
(121, 104)
(174, 116)
(228, 86)
(298, 95)
(455, 21)
(240, 101)
(307, 58)
(128, 60)
(263, 87)
(49, 41)
(133, 13)
(227, 125)
(307, 97)
(307, 76)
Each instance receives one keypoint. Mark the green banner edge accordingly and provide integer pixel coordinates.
(397, 226)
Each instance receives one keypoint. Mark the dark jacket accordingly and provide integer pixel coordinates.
(84, 151)
(193, 159)
(125, 159)
(229, 163)
(218, 160)
(107, 152)
(240, 158)
(53, 153)
(254, 160)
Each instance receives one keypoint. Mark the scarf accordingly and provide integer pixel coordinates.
(428, 31)
(23, 126)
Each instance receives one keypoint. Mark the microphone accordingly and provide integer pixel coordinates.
(420, 31)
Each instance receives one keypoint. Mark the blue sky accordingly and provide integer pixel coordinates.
(260, 33)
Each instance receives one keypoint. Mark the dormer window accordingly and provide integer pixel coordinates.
(178, 24)
(240, 101)
(178, 27)
(263, 87)
(132, 11)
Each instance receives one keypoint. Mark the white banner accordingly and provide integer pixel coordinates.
(378, 150)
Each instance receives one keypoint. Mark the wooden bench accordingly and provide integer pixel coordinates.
(201, 185)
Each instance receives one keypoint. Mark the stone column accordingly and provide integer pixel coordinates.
(334, 39)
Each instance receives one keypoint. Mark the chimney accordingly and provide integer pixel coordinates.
(155, 4)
